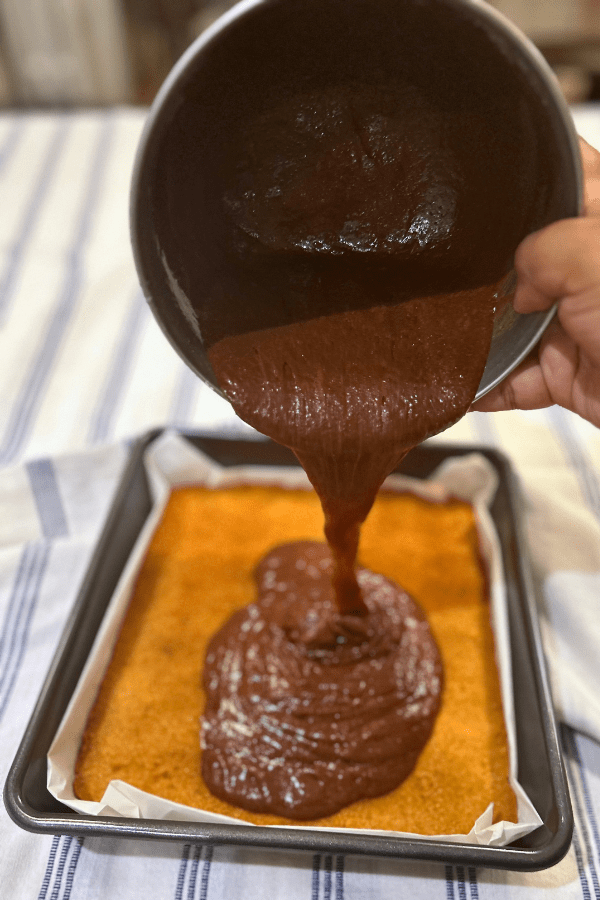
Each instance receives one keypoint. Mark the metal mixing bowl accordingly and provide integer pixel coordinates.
(514, 335)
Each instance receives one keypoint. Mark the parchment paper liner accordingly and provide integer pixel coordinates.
(171, 461)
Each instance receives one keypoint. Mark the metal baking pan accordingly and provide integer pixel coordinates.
(540, 766)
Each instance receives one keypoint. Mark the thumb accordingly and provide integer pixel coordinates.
(562, 262)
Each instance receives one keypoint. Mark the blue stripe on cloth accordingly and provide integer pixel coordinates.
(185, 855)
(316, 872)
(191, 891)
(78, 844)
(580, 824)
(578, 787)
(60, 868)
(120, 365)
(188, 885)
(204, 880)
(21, 606)
(339, 878)
(585, 471)
(473, 886)
(11, 142)
(46, 493)
(449, 882)
(29, 398)
(585, 887)
(32, 210)
(49, 868)
(587, 797)
(327, 867)
(20, 576)
(460, 880)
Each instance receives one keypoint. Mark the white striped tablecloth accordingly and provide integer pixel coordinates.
(83, 370)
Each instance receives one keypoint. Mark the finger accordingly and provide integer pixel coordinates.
(562, 260)
(579, 316)
(592, 197)
(559, 356)
(590, 158)
(570, 374)
(524, 388)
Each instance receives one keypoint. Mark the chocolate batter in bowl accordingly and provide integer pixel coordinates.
(325, 211)
(488, 154)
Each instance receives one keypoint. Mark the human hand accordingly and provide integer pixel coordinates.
(560, 262)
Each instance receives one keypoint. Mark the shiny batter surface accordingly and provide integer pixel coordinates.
(332, 198)
(309, 709)
(339, 204)
(352, 393)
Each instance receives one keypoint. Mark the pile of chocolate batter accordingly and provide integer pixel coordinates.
(309, 709)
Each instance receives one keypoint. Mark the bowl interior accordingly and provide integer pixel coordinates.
(490, 155)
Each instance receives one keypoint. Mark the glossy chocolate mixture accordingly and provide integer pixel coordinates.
(309, 709)
(351, 393)
(335, 216)
(332, 195)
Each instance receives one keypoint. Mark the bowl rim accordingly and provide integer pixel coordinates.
(532, 325)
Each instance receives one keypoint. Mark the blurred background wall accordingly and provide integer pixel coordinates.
(104, 52)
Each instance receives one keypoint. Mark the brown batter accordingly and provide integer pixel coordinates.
(328, 198)
(351, 393)
(333, 199)
(309, 709)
